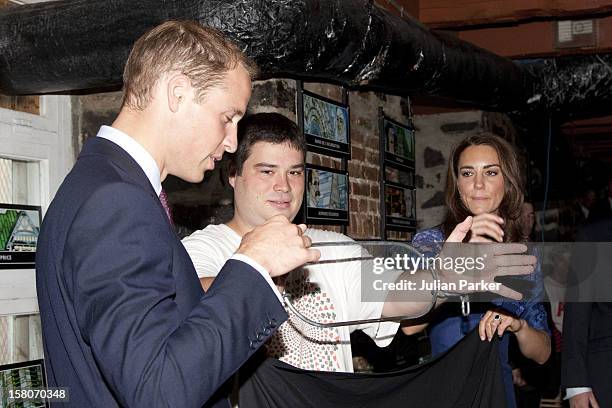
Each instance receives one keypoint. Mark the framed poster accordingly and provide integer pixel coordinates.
(19, 229)
(22, 376)
(326, 196)
(400, 207)
(404, 178)
(399, 143)
(326, 125)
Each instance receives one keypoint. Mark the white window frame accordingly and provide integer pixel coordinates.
(47, 139)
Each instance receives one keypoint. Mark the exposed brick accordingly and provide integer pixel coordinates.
(351, 230)
(372, 156)
(357, 136)
(361, 189)
(376, 230)
(369, 227)
(367, 123)
(371, 173)
(363, 206)
(375, 191)
(358, 153)
(358, 171)
(373, 206)
(352, 187)
(371, 141)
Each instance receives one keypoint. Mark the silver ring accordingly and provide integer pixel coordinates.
(497, 317)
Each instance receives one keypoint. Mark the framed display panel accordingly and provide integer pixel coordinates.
(22, 376)
(399, 144)
(401, 177)
(326, 125)
(400, 207)
(326, 198)
(19, 229)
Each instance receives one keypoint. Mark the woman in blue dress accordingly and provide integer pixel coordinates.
(483, 180)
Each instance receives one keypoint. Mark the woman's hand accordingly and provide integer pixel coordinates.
(487, 228)
(498, 321)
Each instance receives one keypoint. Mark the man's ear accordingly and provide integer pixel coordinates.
(232, 180)
(178, 90)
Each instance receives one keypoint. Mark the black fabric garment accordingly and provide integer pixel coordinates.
(468, 375)
(402, 352)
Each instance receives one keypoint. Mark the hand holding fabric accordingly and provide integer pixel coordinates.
(279, 246)
(493, 259)
(498, 321)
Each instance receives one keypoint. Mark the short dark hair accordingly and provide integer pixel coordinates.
(264, 127)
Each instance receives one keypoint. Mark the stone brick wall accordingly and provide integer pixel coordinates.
(89, 112)
(436, 136)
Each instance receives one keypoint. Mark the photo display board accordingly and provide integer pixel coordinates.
(399, 144)
(19, 229)
(326, 199)
(326, 125)
(397, 180)
(400, 207)
(22, 376)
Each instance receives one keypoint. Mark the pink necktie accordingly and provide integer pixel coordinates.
(163, 197)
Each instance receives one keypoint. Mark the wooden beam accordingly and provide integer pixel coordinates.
(590, 122)
(401, 8)
(600, 130)
(28, 104)
(453, 14)
(535, 39)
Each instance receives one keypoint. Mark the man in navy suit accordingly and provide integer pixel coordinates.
(587, 326)
(125, 321)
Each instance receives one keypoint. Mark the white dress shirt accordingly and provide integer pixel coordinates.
(572, 392)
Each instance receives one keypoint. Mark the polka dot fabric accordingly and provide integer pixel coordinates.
(300, 344)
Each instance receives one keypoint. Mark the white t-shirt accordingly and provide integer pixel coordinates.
(321, 292)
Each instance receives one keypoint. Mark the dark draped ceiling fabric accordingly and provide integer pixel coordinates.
(71, 45)
(468, 376)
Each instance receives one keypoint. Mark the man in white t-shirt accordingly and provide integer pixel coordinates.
(267, 174)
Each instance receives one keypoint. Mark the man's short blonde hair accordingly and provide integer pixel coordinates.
(203, 54)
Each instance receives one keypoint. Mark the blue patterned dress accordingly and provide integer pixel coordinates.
(450, 326)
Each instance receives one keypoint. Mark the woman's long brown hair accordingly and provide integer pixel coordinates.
(510, 206)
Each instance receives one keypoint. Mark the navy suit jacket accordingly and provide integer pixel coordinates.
(587, 327)
(125, 321)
